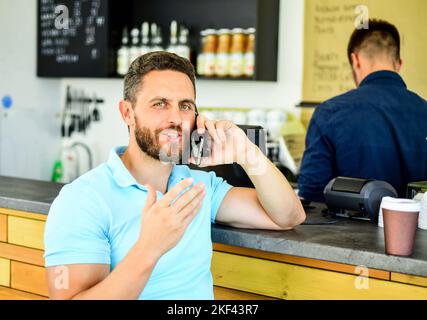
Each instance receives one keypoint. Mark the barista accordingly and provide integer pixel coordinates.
(377, 131)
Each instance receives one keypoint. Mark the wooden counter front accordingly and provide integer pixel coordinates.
(238, 273)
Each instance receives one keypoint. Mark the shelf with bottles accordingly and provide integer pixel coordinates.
(149, 38)
(104, 36)
(227, 53)
(224, 53)
(238, 38)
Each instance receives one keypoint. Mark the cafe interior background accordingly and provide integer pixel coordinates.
(31, 139)
(59, 94)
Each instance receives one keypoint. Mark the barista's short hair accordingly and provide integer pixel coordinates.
(380, 37)
(159, 60)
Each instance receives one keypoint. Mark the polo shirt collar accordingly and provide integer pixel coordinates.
(383, 77)
(121, 174)
(124, 178)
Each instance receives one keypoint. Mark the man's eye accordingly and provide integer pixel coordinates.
(186, 107)
(159, 104)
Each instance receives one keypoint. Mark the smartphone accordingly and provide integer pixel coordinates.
(199, 146)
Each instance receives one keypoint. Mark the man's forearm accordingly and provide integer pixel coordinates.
(126, 281)
(273, 190)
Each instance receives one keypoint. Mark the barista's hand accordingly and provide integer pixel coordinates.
(164, 221)
(229, 143)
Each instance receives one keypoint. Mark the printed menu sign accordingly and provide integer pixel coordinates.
(328, 25)
(72, 38)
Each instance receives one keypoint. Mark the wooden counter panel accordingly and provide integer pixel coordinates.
(239, 273)
(23, 214)
(26, 232)
(221, 293)
(4, 272)
(3, 227)
(22, 254)
(12, 294)
(287, 281)
(406, 278)
(308, 262)
(28, 278)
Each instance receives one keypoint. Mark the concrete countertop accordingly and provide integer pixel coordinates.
(27, 195)
(347, 241)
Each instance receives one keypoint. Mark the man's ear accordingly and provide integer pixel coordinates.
(355, 60)
(126, 110)
(398, 65)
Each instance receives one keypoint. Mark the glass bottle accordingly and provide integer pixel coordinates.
(201, 56)
(236, 52)
(135, 50)
(209, 52)
(145, 38)
(156, 38)
(183, 47)
(222, 61)
(173, 40)
(249, 57)
(123, 54)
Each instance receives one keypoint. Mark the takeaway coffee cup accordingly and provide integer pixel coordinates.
(422, 218)
(400, 218)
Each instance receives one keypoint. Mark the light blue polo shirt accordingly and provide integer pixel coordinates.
(97, 219)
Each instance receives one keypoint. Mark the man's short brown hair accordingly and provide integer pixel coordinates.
(380, 37)
(159, 60)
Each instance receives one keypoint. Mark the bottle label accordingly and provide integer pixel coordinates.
(249, 64)
(236, 64)
(209, 64)
(222, 64)
(201, 64)
(134, 53)
(122, 61)
(183, 51)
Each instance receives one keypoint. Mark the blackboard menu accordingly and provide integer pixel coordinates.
(72, 38)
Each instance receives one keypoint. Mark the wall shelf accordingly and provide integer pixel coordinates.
(108, 17)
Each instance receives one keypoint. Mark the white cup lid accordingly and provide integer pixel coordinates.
(419, 196)
(400, 204)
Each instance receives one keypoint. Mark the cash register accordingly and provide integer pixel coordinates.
(356, 198)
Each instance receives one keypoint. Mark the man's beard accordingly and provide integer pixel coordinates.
(149, 144)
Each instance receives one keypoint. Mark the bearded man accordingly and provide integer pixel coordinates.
(139, 225)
